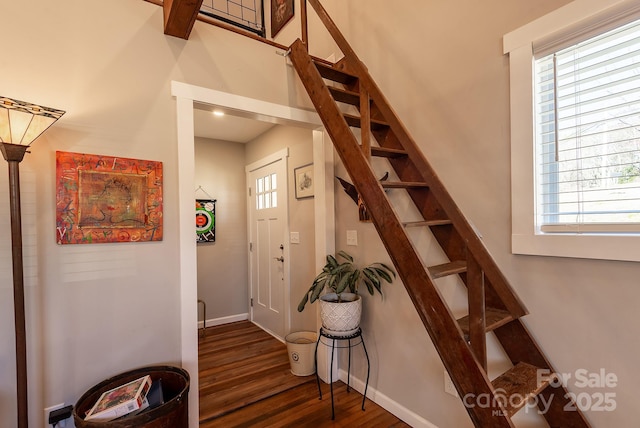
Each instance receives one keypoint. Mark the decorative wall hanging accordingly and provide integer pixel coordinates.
(107, 199)
(281, 13)
(350, 189)
(303, 176)
(205, 220)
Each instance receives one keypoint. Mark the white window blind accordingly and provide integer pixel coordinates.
(587, 126)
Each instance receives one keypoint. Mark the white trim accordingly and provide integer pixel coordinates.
(224, 320)
(325, 232)
(246, 107)
(186, 98)
(560, 20)
(387, 403)
(187, 255)
(268, 160)
(519, 45)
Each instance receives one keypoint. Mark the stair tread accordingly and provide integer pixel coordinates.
(387, 152)
(494, 318)
(517, 385)
(446, 269)
(423, 223)
(332, 73)
(403, 184)
(354, 121)
(345, 96)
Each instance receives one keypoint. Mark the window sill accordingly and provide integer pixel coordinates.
(584, 246)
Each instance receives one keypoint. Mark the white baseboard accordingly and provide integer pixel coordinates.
(224, 320)
(387, 403)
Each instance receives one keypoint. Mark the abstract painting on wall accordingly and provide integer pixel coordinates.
(205, 220)
(103, 199)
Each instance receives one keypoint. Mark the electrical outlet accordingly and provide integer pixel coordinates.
(449, 387)
(49, 410)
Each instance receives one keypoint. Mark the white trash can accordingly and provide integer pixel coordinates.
(301, 346)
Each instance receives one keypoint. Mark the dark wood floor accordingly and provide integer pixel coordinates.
(245, 381)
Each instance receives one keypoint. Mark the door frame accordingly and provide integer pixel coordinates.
(280, 155)
(187, 98)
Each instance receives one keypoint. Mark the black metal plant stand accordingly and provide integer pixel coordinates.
(334, 338)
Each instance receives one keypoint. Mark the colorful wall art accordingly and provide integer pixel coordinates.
(107, 199)
(205, 220)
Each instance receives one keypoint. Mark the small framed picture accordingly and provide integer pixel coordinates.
(304, 181)
(281, 13)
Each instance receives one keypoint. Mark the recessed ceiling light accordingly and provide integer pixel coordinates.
(218, 113)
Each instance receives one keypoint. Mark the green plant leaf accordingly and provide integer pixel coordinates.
(343, 284)
(316, 293)
(373, 277)
(345, 255)
(369, 285)
(383, 274)
(354, 280)
(303, 302)
(331, 261)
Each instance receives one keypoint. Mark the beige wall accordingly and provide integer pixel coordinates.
(222, 265)
(439, 63)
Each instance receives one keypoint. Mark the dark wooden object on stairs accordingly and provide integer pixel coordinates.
(493, 305)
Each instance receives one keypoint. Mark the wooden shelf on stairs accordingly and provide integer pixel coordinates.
(344, 96)
(334, 74)
(426, 223)
(387, 153)
(376, 125)
(446, 269)
(518, 385)
(494, 318)
(403, 184)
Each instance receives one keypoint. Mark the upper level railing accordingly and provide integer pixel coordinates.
(246, 14)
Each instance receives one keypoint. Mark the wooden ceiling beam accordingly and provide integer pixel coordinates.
(179, 17)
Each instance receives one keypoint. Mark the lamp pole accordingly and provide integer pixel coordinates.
(20, 123)
(14, 154)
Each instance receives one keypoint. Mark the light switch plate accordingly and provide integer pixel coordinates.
(294, 237)
(352, 237)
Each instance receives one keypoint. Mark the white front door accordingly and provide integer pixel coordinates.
(268, 254)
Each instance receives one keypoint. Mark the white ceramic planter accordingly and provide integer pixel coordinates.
(340, 319)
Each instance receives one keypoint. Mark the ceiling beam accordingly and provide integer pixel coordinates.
(179, 17)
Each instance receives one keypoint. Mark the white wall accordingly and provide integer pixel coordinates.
(222, 265)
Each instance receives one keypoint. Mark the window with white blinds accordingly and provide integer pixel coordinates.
(587, 130)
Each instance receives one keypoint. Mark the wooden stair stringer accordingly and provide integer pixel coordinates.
(557, 397)
(499, 283)
(439, 322)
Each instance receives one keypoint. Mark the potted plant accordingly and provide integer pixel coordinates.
(341, 307)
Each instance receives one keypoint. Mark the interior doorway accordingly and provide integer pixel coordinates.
(187, 98)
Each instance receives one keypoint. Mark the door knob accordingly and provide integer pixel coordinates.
(280, 259)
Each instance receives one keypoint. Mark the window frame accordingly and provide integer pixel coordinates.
(577, 17)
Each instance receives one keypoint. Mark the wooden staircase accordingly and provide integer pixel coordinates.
(493, 305)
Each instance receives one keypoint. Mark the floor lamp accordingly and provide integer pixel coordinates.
(20, 124)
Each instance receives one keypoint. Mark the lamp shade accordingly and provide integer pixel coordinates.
(22, 122)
